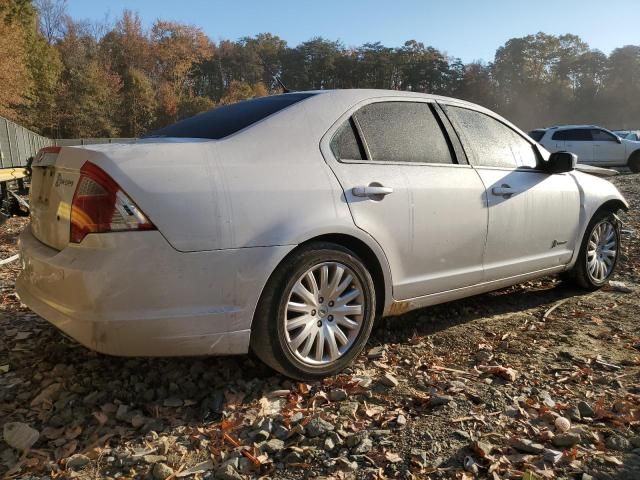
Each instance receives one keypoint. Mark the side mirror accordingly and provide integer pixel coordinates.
(561, 162)
(618, 139)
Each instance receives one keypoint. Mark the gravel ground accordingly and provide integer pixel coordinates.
(494, 386)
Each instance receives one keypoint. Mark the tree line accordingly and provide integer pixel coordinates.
(67, 78)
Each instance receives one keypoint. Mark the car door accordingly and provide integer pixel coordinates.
(532, 215)
(405, 187)
(555, 141)
(578, 141)
(607, 149)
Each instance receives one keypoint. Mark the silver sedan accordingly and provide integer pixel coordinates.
(286, 224)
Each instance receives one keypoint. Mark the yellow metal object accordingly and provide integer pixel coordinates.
(8, 174)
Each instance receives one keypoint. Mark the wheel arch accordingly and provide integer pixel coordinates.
(612, 205)
(368, 251)
(368, 257)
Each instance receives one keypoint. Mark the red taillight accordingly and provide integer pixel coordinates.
(99, 205)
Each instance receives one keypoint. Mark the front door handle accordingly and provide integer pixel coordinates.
(371, 191)
(503, 191)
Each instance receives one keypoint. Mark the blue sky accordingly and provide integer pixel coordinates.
(469, 29)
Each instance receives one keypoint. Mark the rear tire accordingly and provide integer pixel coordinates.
(599, 252)
(316, 312)
(634, 162)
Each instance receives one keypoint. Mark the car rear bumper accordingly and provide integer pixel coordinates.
(131, 293)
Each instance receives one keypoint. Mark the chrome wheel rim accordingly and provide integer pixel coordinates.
(324, 313)
(602, 251)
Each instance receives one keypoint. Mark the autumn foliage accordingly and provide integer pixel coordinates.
(69, 78)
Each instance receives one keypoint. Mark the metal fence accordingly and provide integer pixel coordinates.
(72, 142)
(17, 144)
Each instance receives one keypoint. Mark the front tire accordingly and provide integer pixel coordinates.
(316, 312)
(599, 252)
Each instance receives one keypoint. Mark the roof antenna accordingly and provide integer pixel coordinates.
(275, 77)
(284, 87)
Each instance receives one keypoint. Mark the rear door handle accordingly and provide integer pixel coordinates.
(371, 191)
(503, 191)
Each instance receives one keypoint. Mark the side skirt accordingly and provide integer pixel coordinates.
(398, 307)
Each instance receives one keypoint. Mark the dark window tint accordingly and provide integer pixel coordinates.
(403, 132)
(573, 134)
(491, 143)
(537, 135)
(223, 121)
(602, 136)
(346, 144)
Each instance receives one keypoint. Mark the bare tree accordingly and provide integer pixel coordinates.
(52, 15)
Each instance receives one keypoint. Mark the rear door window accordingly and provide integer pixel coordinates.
(573, 135)
(403, 132)
(490, 143)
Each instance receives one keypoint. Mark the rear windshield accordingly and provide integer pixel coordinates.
(536, 135)
(224, 121)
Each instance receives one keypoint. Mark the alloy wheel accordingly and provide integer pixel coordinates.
(602, 251)
(324, 313)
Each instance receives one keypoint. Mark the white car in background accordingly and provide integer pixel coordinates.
(592, 144)
(286, 224)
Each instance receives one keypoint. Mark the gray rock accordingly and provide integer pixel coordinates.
(274, 445)
(574, 414)
(364, 382)
(551, 456)
(261, 436)
(419, 455)
(546, 399)
(349, 409)
(281, 432)
(121, 413)
(318, 426)
(376, 352)
(365, 447)
(401, 420)
(439, 400)
(338, 395)
(344, 463)
(483, 356)
(77, 461)
(566, 440)
(161, 471)
(618, 443)
(389, 380)
(586, 410)
(20, 435)
(227, 472)
(151, 459)
(173, 402)
(293, 457)
(329, 444)
(356, 439)
(298, 417)
(527, 446)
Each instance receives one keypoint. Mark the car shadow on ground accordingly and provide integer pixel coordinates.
(430, 320)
